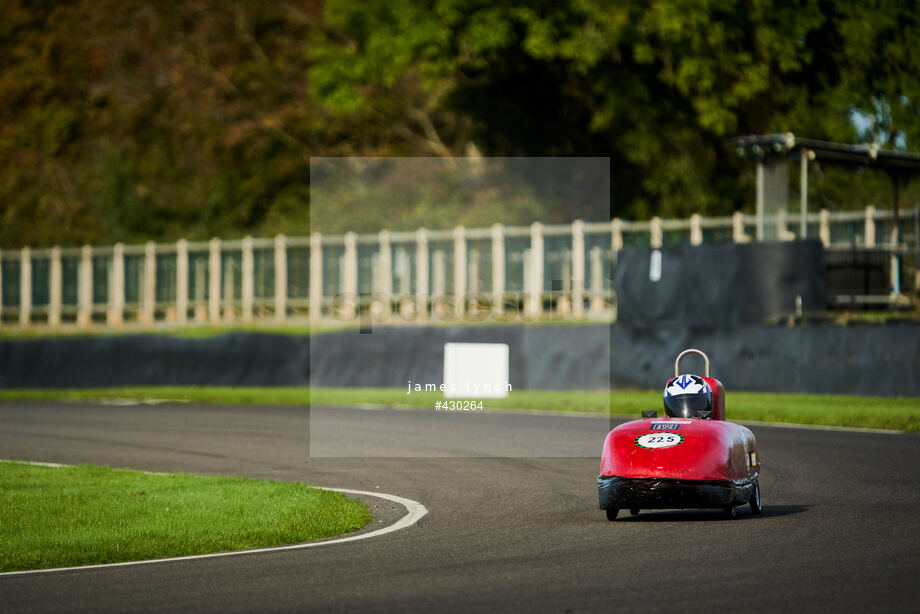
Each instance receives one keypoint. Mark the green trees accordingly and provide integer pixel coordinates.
(135, 120)
(131, 120)
(656, 85)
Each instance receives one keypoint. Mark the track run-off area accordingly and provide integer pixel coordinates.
(512, 521)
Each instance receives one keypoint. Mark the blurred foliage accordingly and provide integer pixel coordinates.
(404, 194)
(125, 120)
(132, 120)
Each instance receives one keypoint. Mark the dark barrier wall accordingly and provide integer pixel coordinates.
(876, 360)
(236, 359)
(721, 285)
(568, 357)
(868, 360)
(541, 357)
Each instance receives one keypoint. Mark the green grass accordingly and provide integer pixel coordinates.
(877, 316)
(900, 413)
(533, 400)
(830, 410)
(187, 332)
(576, 401)
(216, 394)
(202, 331)
(81, 515)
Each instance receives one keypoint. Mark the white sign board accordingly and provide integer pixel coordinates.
(654, 266)
(476, 370)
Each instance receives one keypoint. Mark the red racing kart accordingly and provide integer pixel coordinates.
(690, 458)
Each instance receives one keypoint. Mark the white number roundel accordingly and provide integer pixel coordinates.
(654, 440)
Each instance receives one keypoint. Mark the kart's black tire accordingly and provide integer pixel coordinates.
(634, 511)
(612, 513)
(729, 511)
(754, 501)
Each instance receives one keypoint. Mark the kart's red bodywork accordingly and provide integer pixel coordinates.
(680, 463)
(707, 450)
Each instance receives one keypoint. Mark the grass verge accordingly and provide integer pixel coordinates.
(829, 410)
(165, 330)
(83, 514)
(297, 328)
(901, 414)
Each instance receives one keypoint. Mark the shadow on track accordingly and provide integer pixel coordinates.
(770, 511)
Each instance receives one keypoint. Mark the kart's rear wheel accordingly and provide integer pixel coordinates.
(754, 502)
(634, 511)
(612, 513)
(729, 511)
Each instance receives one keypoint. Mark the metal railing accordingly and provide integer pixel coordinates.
(502, 272)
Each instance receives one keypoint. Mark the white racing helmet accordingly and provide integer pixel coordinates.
(686, 396)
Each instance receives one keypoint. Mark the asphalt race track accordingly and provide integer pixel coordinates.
(840, 529)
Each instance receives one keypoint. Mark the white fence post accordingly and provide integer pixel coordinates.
(214, 281)
(656, 235)
(460, 270)
(438, 281)
(55, 280)
(894, 265)
(115, 314)
(616, 236)
(350, 276)
(498, 268)
(25, 287)
(534, 278)
(738, 234)
(421, 274)
(564, 300)
(201, 305)
(870, 226)
(229, 285)
(150, 284)
(85, 287)
(247, 290)
(381, 305)
(383, 272)
(316, 278)
(824, 229)
(281, 280)
(696, 229)
(473, 281)
(782, 231)
(438, 273)
(597, 281)
(578, 268)
(803, 193)
(181, 281)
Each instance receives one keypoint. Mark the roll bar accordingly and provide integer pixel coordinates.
(690, 351)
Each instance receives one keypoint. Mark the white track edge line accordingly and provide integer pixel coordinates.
(415, 512)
